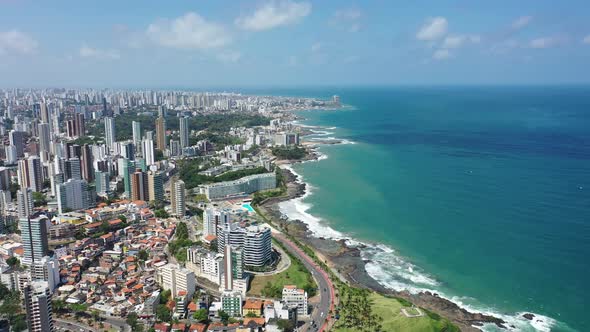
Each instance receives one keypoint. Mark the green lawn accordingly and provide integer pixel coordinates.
(296, 274)
(394, 320)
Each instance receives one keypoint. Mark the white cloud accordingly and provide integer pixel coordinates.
(190, 31)
(316, 47)
(17, 42)
(586, 40)
(521, 22)
(274, 14)
(442, 54)
(90, 52)
(347, 19)
(229, 57)
(456, 41)
(545, 42)
(435, 28)
(348, 14)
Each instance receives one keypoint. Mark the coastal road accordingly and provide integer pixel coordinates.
(319, 316)
(66, 325)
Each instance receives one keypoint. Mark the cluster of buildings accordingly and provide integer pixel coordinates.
(112, 255)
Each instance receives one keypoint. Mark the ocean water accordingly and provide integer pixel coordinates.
(479, 193)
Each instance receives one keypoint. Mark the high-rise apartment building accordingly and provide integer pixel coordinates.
(139, 186)
(148, 151)
(293, 296)
(212, 218)
(44, 138)
(87, 163)
(17, 139)
(109, 132)
(184, 142)
(177, 197)
(24, 202)
(30, 173)
(177, 279)
(38, 306)
(73, 195)
(136, 126)
(155, 186)
(35, 238)
(102, 183)
(161, 133)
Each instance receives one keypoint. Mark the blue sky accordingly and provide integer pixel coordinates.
(292, 42)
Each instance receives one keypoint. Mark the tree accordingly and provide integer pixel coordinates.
(285, 325)
(133, 322)
(163, 314)
(224, 316)
(123, 218)
(251, 315)
(39, 199)
(201, 315)
(143, 255)
(165, 296)
(13, 262)
(161, 213)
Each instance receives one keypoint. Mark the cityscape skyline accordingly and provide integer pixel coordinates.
(227, 44)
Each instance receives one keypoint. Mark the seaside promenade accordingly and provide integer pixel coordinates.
(321, 315)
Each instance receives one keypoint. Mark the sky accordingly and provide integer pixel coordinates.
(216, 43)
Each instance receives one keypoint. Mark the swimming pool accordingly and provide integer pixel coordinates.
(248, 207)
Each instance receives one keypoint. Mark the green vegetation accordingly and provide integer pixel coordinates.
(161, 213)
(220, 140)
(177, 247)
(133, 322)
(285, 325)
(356, 303)
(163, 314)
(11, 308)
(13, 262)
(39, 199)
(272, 286)
(201, 315)
(281, 189)
(190, 168)
(291, 153)
(224, 316)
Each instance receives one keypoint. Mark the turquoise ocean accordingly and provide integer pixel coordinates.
(481, 194)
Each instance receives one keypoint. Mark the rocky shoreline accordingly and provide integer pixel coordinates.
(347, 262)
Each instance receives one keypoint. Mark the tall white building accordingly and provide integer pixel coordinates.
(11, 156)
(30, 173)
(242, 186)
(38, 306)
(177, 197)
(212, 218)
(293, 296)
(205, 264)
(177, 279)
(44, 138)
(255, 240)
(136, 125)
(184, 142)
(46, 270)
(24, 202)
(148, 151)
(109, 132)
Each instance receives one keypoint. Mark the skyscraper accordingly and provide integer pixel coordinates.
(16, 139)
(161, 133)
(184, 132)
(73, 169)
(34, 237)
(156, 186)
(109, 132)
(44, 138)
(38, 306)
(86, 163)
(212, 218)
(233, 264)
(44, 113)
(24, 202)
(102, 183)
(148, 151)
(139, 186)
(80, 125)
(136, 125)
(177, 197)
(105, 110)
(73, 195)
(125, 171)
(30, 174)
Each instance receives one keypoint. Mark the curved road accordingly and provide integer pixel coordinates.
(319, 316)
